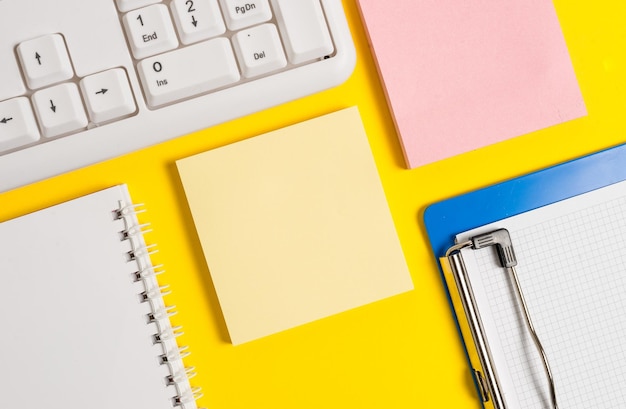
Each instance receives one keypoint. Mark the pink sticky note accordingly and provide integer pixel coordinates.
(463, 74)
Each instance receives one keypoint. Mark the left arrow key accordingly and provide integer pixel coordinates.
(17, 124)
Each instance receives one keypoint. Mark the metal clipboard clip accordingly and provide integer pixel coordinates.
(464, 303)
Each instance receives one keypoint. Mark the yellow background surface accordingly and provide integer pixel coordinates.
(403, 352)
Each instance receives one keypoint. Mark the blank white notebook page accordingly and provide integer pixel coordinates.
(572, 269)
(74, 334)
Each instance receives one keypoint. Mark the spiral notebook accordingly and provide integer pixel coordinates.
(84, 323)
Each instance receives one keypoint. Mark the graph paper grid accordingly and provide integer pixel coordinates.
(572, 270)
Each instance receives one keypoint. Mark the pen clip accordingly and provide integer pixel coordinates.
(501, 240)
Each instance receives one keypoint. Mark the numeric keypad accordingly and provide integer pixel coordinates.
(197, 20)
(150, 31)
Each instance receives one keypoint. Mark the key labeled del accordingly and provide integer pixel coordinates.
(259, 50)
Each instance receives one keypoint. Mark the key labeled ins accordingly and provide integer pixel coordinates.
(188, 71)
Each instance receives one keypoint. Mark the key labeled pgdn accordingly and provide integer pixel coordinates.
(241, 14)
(245, 8)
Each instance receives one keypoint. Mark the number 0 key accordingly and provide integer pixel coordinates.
(188, 71)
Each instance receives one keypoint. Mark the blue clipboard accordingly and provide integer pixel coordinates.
(445, 219)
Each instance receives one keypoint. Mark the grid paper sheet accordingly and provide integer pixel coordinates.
(572, 270)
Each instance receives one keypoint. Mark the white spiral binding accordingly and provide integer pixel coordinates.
(166, 334)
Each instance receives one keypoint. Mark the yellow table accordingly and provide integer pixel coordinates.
(403, 352)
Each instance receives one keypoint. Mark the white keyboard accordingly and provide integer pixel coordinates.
(84, 81)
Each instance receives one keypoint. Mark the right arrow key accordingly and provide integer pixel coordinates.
(108, 95)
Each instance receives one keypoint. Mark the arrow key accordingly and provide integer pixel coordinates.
(108, 95)
(17, 124)
(45, 61)
(59, 110)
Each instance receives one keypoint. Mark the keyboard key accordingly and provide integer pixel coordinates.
(17, 124)
(188, 71)
(108, 95)
(259, 50)
(90, 36)
(127, 5)
(241, 13)
(304, 29)
(197, 20)
(150, 31)
(59, 110)
(45, 61)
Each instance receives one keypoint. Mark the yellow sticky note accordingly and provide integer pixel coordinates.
(294, 225)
